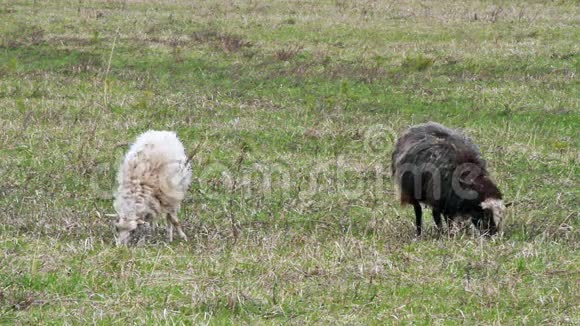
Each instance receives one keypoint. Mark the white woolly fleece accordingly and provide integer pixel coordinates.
(153, 178)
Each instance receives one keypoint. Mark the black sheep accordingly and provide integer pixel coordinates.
(442, 168)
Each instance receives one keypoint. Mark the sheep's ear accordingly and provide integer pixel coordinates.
(143, 223)
(126, 225)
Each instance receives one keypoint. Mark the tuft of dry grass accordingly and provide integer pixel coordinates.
(233, 43)
(287, 53)
(225, 41)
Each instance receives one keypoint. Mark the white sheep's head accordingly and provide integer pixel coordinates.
(124, 228)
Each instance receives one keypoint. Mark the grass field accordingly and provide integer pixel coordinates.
(292, 108)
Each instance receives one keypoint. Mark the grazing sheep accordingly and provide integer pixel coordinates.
(153, 180)
(442, 168)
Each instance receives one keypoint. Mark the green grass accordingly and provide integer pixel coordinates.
(293, 108)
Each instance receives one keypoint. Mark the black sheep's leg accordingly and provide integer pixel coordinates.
(437, 218)
(418, 214)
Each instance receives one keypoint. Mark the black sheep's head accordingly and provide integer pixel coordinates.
(488, 217)
(492, 215)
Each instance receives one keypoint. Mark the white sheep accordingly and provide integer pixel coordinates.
(153, 180)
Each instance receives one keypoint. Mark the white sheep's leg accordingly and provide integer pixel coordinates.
(169, 229)
(173, 221)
